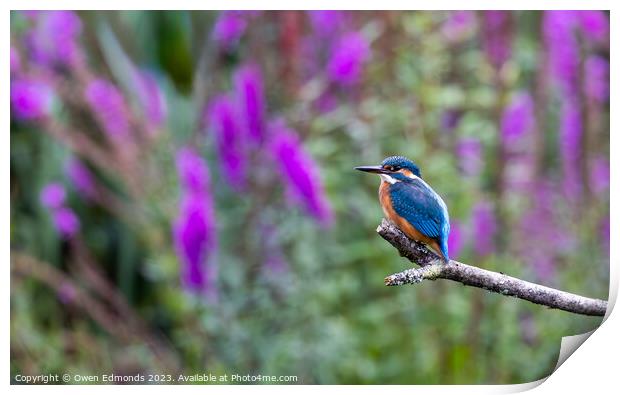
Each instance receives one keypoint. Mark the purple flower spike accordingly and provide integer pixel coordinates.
(347, 59)
(600, 175)
(194, 230)
(108, 105)
(30, 100)
(458, 25)
(194, 239)
(31, 15)
(455, 239)
(82, 178)
(597, 78)
(497, 36)
(604, 234)
(485, 227)
(66, 222)
(570, 145)
(450, 119)
(326, 23)
(54, 38)
(276, 264)
(53, 196)
(249, 91)
(15, 61)
(193, 171)
(469, 151)
(594, 24)
(67, 293)
(151, 98)
(558, 32)
(299, 173)
(517, 119)
(544, 238)
(327, 102)
(228, 29)
(223, 119)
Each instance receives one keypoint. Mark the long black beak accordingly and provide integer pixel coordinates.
(373, 169)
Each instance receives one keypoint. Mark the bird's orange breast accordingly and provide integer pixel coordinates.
(400, 222)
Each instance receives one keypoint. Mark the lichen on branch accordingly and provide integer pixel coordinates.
(431, 268)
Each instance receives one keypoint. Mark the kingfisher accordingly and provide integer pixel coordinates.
(411, 204)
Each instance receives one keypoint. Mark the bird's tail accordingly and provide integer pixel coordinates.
(444, 250)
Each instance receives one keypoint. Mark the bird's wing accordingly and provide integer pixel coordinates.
(421, 207)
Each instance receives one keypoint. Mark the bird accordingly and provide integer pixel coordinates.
(411, 204)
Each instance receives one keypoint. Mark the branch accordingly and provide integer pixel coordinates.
(432, 268)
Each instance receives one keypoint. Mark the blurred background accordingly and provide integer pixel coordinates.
(183, 198)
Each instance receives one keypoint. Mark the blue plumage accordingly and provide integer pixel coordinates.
(401, 162)
(417, 203)
(411, 203)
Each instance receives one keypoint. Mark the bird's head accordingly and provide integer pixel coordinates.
(394, 169)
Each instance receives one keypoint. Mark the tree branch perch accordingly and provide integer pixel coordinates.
(432, 268)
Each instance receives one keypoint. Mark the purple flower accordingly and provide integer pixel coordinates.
(469, 152)
(194, 239)
(497, 36)
(455, 239)
(274, 262)
(326, 102)
(151, 98)
(517, 118)
(450, 119)
(30, 99)
(570, 145)
(562, 46)
(193, 171)
(543, 237)
(311, 55)
(53, 196)
(520, 168)
(228, 29)
(604, 234)
(326, 23)
(81, 177)
(66, 222)
(223, 119)
(458, 25)
(599, 177)
(31, 15)
(299, 173)
(194, 229)
(597, 78)
(53, 39)
(347, 59)
(249, 92)
(594, 24)
(109, 108)
(15, 61)
(485, 228)
(67, 293)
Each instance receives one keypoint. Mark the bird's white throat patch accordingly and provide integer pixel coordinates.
(388, 178)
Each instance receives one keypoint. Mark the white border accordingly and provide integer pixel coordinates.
(592, 368)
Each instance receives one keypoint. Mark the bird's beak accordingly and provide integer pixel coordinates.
(373, 169)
